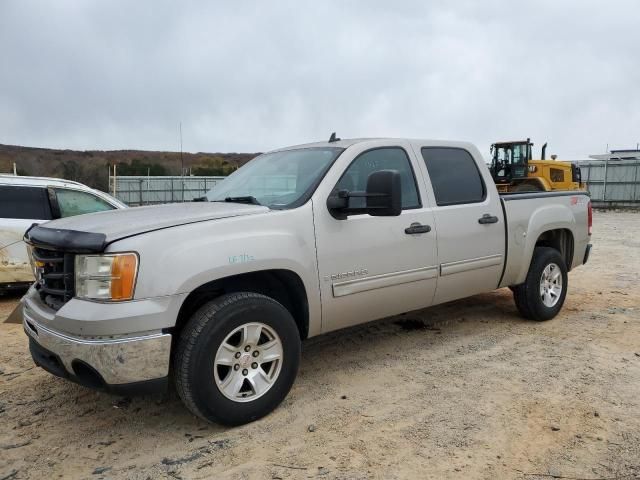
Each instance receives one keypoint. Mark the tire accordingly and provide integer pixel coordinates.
(213, 342)
(531, 298)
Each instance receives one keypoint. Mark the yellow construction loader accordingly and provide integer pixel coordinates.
(513, 170)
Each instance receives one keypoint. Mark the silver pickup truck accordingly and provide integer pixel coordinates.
(217, 295)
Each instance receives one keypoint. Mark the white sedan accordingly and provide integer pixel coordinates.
(28, 200)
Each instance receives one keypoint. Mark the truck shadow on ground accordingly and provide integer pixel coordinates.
(487, 308)
(9, 303)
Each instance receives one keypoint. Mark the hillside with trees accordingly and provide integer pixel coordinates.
(91, 167)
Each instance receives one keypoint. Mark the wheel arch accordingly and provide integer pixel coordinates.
(560, 239)
(284, 286)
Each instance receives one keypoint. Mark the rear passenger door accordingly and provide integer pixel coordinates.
(20, 207)
(469, 222)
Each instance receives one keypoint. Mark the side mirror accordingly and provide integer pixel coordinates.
(383, 197)
(338, 202)
(384, 194)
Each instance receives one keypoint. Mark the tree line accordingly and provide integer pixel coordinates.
(92, 167)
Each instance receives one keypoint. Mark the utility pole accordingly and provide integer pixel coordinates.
(148, 182)
(114, 180)
(181, 162)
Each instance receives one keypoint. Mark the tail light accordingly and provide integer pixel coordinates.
(589, 216)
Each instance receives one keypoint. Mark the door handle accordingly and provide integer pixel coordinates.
(486, 218)
(417, 228)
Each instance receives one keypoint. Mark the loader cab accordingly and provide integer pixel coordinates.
(510, 160)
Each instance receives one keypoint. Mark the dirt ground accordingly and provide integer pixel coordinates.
(463, 390)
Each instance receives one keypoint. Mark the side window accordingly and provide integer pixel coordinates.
(30, 203)
(74, 202)
(355, 177)
(557, 175)
(454, 176)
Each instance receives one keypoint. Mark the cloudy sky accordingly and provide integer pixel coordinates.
(255, 75)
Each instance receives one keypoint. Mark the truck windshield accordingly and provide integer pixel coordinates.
(278, 180)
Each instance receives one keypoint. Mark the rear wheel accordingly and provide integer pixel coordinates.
(542, 294)
(237, 358)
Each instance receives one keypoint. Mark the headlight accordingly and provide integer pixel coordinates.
(106, 277)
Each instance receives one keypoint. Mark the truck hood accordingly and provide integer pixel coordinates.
(116, 224)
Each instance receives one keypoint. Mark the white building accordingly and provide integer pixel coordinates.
(618, 155)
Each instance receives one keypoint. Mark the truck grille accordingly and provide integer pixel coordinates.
(54, 276)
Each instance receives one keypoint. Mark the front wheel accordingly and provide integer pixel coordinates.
(237, 358)
(542, 294)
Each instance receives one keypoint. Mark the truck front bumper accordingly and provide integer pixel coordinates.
(124, 365)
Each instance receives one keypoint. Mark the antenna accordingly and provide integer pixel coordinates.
(181, 159)
(333, 138)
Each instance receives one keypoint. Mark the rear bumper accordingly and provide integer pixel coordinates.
(121, 365)
(15, 286)
(587, 252)
(15, 268)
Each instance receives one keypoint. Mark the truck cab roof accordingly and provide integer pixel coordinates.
(375, 141)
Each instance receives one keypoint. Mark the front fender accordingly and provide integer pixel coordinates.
(241, 255)
(179, 260)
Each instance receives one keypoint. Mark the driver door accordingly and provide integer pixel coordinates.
(374, 267)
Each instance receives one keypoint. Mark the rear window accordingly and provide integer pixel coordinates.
(454, 176)
(29, 203)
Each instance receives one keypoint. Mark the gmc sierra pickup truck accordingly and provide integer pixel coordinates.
(217, 295)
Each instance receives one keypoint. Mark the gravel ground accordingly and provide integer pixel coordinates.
(463, 390)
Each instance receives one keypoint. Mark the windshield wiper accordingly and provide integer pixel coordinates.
(246, 199)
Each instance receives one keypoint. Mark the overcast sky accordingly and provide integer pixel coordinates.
(251, 76)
